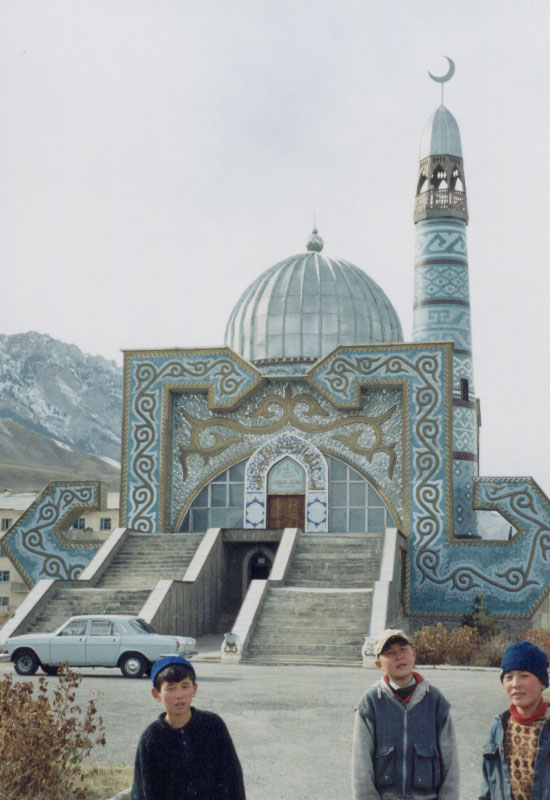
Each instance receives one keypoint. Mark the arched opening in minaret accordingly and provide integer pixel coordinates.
(439, 178)
(422, 183)
(456, 181)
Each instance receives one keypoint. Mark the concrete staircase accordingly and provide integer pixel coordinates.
(145, 559)
(128, 581)
(322, 613)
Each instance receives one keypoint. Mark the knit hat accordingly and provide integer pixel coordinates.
(526, 657)
(167, 661)
(389, 637)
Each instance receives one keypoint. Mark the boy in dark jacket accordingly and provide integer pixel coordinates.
(404, 745)
(516, 758)
(186, 753)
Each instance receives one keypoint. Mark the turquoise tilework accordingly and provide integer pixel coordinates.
(36, 544)
(445, 574)
(226, 376)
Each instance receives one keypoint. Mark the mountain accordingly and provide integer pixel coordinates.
(28, 461)
(56, 390)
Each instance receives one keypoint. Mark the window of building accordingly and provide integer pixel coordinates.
(105, 524)
(220, 504)
(355, 505)
(79, 524)
(4, 601)
(6, 523)
(4, 576)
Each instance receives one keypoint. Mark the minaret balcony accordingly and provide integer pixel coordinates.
(432, 203)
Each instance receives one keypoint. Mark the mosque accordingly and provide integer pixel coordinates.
(321, 465)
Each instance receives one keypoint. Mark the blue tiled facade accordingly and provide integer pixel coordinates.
(36, 543)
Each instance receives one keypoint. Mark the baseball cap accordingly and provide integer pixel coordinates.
(389, 637)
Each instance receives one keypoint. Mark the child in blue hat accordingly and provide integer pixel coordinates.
(516, 758)
(186, 752)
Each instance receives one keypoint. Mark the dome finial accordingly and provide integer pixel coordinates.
(315, 242)
(444, 78)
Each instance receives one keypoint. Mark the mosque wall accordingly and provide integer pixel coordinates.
(387, 410)
(291, 417)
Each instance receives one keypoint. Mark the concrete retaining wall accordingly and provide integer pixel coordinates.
(190, 607)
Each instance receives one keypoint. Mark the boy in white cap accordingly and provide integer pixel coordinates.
(516, 758)
(404, 745)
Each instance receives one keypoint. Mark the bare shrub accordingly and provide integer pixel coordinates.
(462, 644)
(538, 636)
(490, 652)
(431, 643)
(44, 738)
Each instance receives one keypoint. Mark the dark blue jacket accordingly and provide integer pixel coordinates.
(196, 762)
(496, 784)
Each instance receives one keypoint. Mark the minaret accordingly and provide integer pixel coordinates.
(441, 309)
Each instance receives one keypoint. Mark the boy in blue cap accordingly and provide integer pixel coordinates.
(516, 758)
(186, 752)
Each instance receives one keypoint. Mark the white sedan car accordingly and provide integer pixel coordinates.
(96, 640)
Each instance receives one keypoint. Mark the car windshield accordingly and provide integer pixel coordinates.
(140, 626)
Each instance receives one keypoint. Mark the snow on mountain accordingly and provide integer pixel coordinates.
(55, 389)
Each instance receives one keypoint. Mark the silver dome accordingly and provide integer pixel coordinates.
(307, 304)
(441, 135)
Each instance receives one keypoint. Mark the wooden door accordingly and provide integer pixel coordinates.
(285, 511)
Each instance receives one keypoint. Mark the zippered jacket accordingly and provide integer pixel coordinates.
(496, 783)
(404, 751)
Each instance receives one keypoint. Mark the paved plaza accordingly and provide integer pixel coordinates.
(292, 726)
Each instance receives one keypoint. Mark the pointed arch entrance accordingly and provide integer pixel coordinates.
(286, 495)
(286, 485)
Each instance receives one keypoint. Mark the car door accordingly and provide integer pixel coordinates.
(102, 643)
(70, 643)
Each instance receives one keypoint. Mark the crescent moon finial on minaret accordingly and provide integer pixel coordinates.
(444, 78)
(448, 75)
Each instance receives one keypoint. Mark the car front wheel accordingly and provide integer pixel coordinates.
(25, 663)
(133, 666)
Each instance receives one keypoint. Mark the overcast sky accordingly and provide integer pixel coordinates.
(156, 156)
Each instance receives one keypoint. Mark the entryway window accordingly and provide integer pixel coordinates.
(355, 505)
(218, 505)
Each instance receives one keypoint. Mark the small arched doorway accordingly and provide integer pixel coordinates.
(286, 495)
(259, 566)
(256, 565)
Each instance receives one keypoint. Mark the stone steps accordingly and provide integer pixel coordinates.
(128, 581)
(344, 560)
(145, 559)
(72, 602)
(322, 613)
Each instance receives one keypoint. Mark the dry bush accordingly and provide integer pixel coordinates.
(431, 643)
(538, 636)
(490, 652)
(463, 643)
(43, 739)
(106, 780)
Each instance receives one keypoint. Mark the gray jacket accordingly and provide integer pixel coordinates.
(495, 783)
(404, 751)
